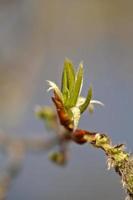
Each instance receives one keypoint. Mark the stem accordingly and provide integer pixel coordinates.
(117, 158)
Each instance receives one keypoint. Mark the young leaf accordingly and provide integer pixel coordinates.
(84, 106)
(54, 87)
(96, 102)
(77, 87)
(92, 105)
(70, 74)
(64, 84)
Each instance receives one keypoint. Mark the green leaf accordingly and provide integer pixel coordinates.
(84, 106)
(70, 74)
(68, 80)
(66, 96)
(64, 84)
(77, 87)
(64, 81)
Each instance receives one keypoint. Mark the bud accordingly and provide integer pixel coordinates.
(82, 136)
(58, 158)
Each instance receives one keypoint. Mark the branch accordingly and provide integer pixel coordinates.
(117, 157)
(64, 122)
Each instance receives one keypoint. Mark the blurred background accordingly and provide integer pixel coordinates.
(35, 38)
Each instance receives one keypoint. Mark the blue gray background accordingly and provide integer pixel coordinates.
(35, 38)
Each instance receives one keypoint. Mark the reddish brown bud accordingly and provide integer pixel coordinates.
(64, 118)
(79, 136)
